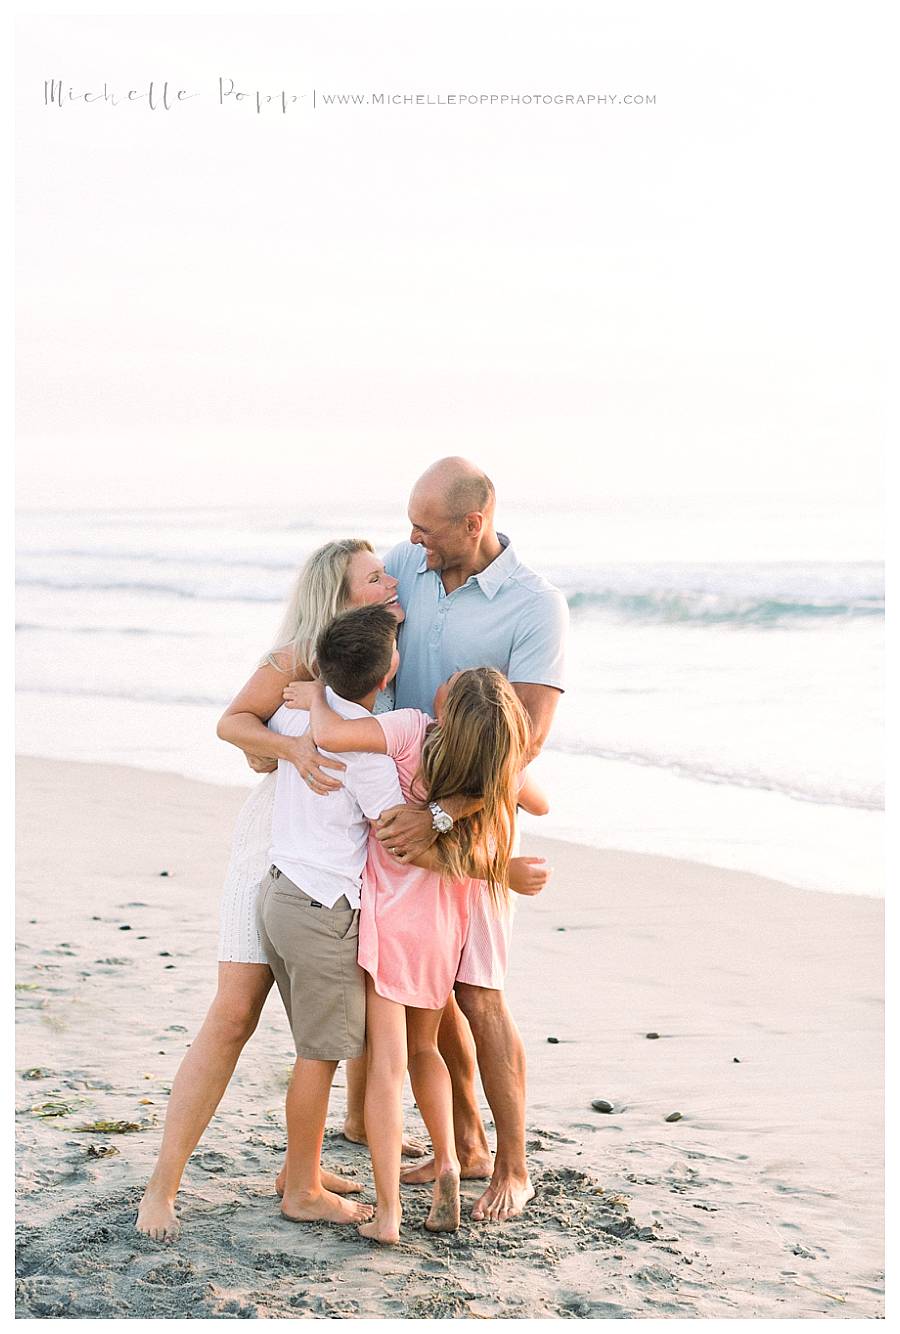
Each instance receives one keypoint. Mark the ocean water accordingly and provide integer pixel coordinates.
(725, 712)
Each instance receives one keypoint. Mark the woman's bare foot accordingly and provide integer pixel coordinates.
(477, 1168)
(504, 1198)
(383, 1228)
(444, 1215)
(156, 1217)
(330, 1180)
(409, 1148)
(323, 1206)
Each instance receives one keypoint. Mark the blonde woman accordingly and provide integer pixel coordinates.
(336, 577)
(414, 921)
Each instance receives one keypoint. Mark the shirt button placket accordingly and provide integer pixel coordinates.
(437, 630)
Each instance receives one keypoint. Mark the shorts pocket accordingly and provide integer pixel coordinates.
(344, 925)
(293, 900)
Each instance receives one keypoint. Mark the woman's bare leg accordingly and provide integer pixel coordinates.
(201, 1080)
(386, 1050)
(433, 1091)
(355, 1120)
(198, 1087)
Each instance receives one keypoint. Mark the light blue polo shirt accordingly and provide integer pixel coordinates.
(506, 617)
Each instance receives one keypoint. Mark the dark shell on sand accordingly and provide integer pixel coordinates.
(601, 1105)
(674, 1116)
(651, 1035)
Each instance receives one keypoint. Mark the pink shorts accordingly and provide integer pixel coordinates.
(484, 961)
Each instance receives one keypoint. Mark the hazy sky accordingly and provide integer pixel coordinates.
(665, 301)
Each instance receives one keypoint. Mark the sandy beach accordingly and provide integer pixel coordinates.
(763, 1200)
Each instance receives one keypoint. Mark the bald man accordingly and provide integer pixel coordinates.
(470, 602)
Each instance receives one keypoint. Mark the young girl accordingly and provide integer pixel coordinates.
(414, 920)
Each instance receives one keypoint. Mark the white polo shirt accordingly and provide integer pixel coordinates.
(320, 842)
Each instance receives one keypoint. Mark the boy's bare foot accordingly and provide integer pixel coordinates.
(324, 1207)
(330, 1180)
(444, 1215)
(477, 1168)
(382, 1229)
(409, 1148)
(504, 1198)
(156, 1217)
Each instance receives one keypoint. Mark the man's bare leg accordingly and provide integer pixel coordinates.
(501, 1061)
(458, 1050)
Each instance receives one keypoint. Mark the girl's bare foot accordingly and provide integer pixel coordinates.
(478, 1168)
(323, 1206)
(156, 1216)
(330, 1180)
(409, 1148)
(444, 1215)
(383, 1228)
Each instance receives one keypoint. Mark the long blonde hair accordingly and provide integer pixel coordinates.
(479, 750)
(321, 592)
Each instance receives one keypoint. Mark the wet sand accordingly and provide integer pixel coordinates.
(763, 1200)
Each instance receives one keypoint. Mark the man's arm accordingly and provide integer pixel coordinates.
(409, 829)
(532, 797)
(540, 703)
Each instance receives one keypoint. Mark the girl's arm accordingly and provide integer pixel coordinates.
(532, 797)
(332, 732)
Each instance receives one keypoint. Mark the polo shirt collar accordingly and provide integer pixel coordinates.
(354, 710)
(493, 576)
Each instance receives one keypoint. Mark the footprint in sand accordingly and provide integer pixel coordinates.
(211, 1161)
(172, 1275)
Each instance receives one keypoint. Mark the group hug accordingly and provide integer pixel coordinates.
(374, 871)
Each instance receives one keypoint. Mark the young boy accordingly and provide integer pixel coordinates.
(309, 901)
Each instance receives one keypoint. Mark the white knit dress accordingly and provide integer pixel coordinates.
(238, 937)
(239, 940)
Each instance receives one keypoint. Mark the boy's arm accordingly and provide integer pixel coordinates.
(332, 732)
(430, 861)
(527, 875)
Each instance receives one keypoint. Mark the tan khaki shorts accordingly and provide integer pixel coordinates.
(312, 952)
